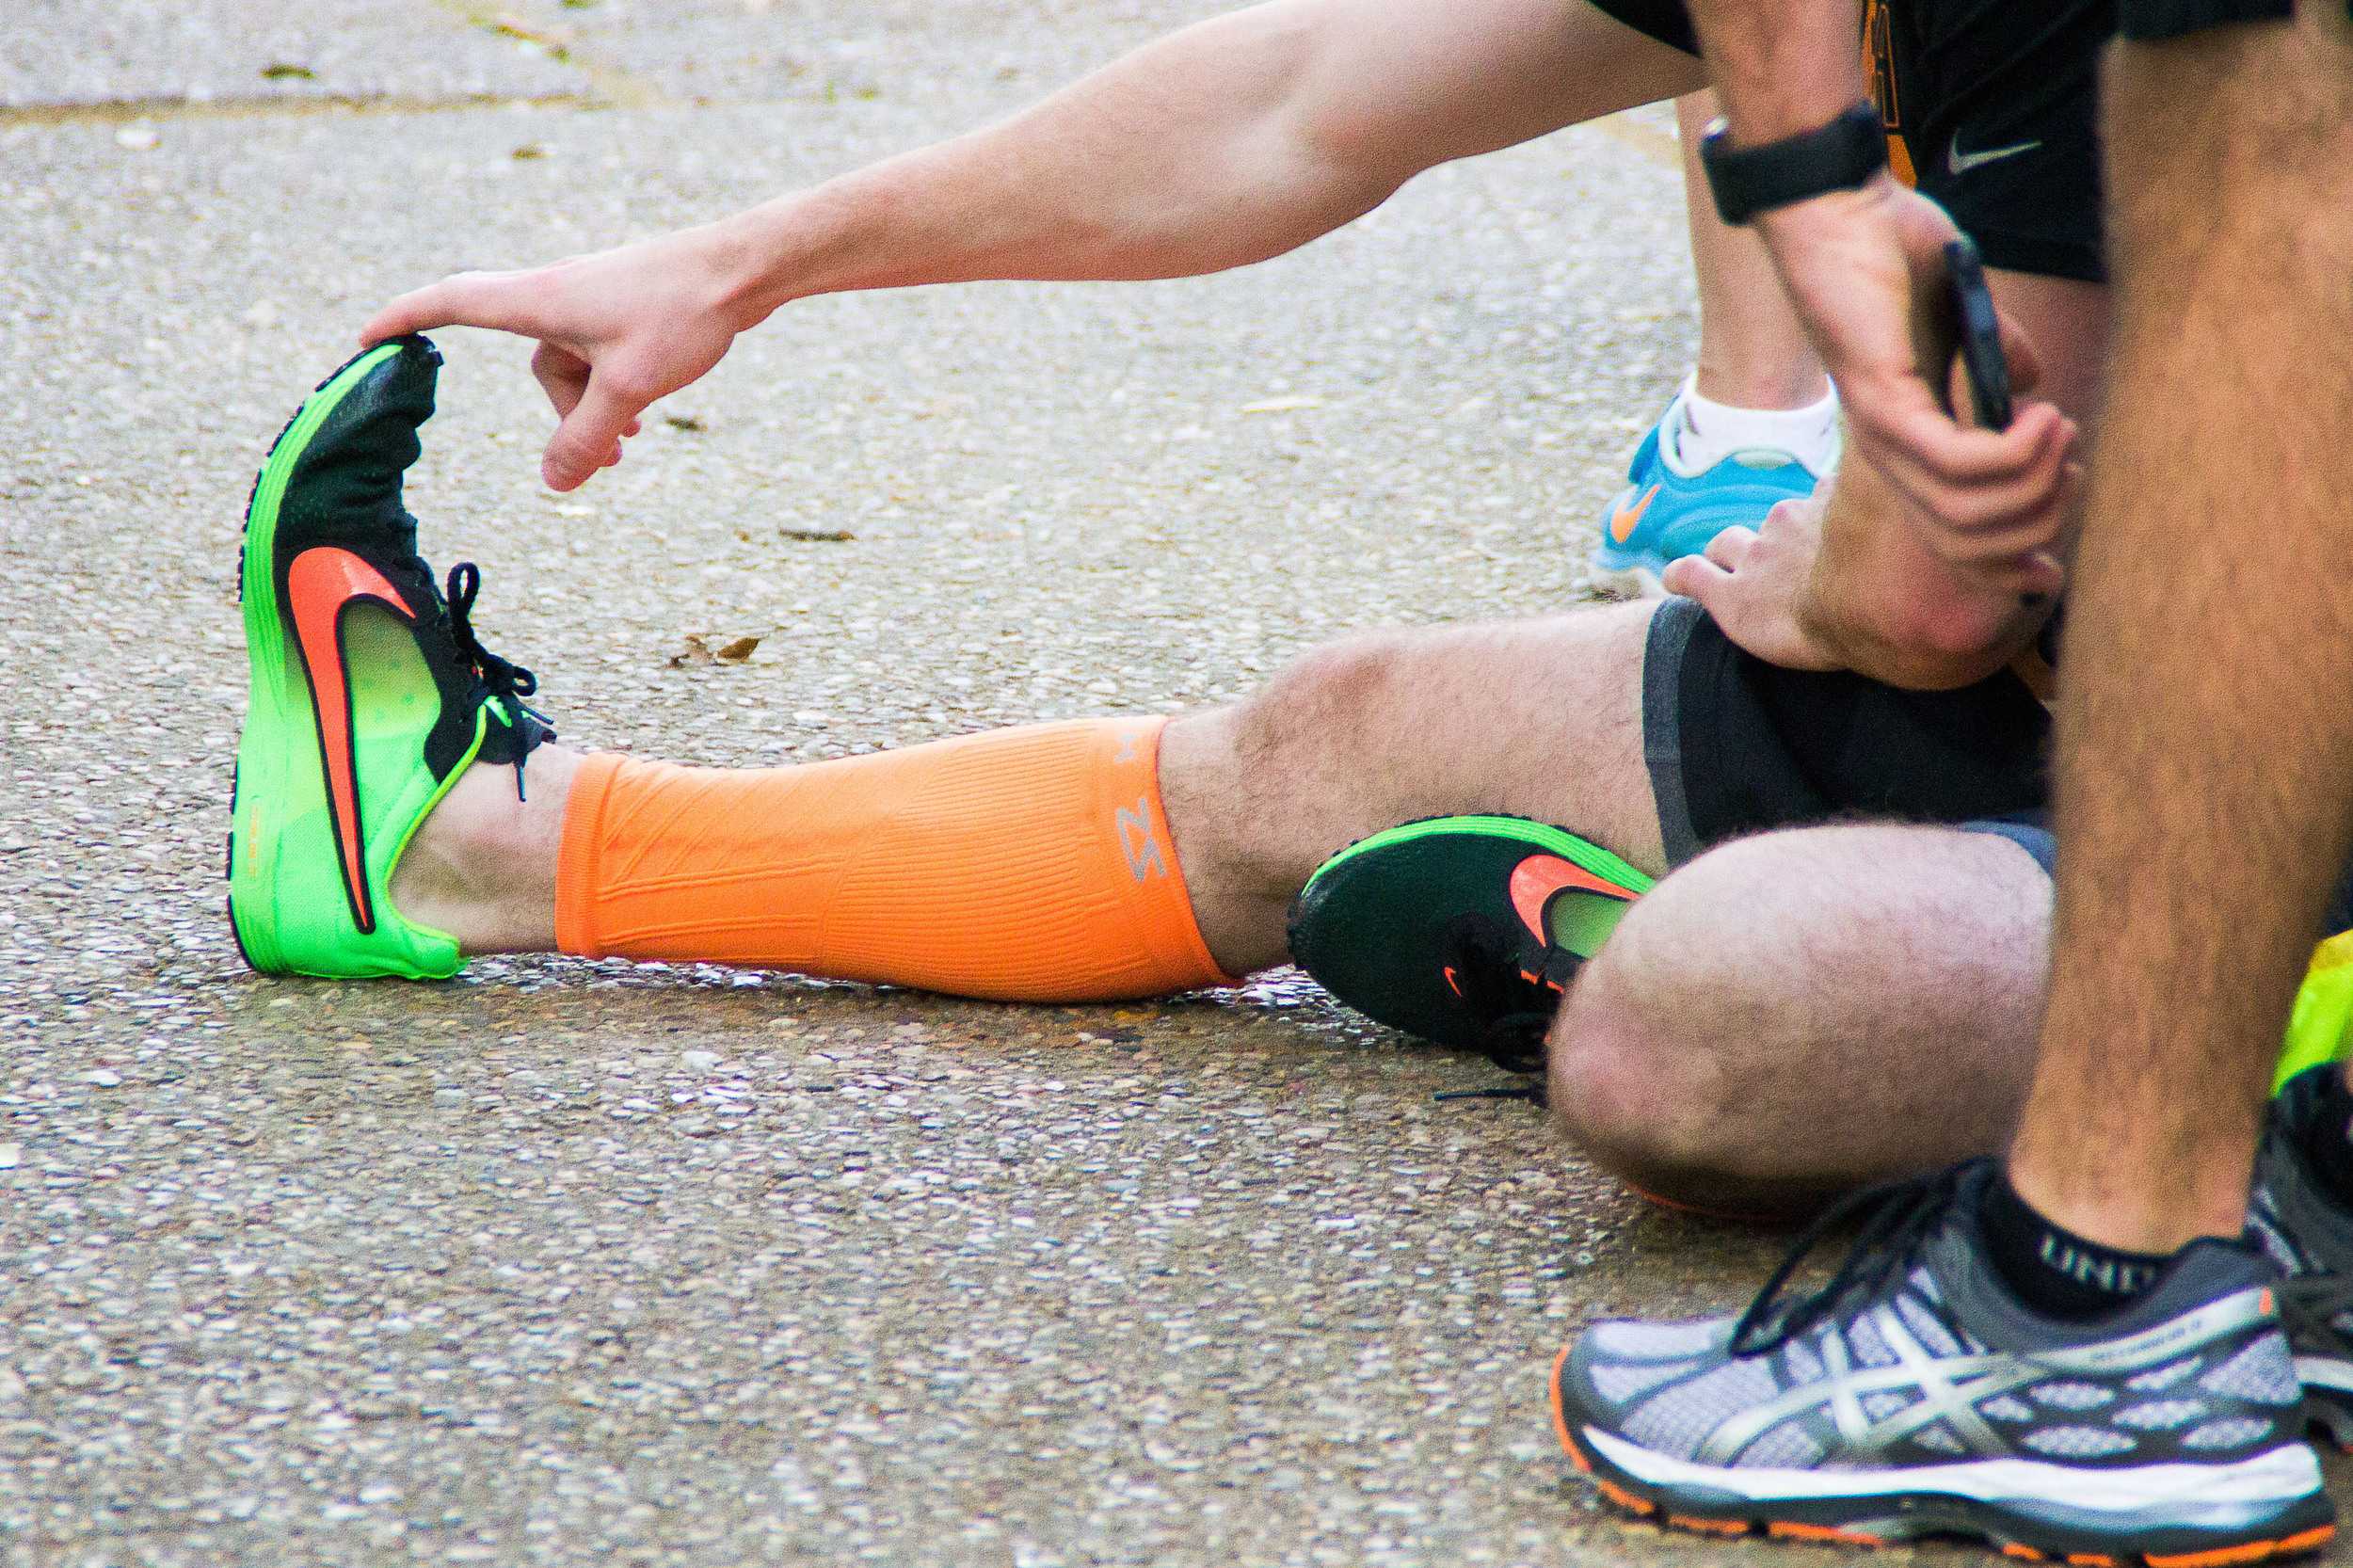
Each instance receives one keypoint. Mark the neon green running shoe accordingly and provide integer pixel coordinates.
(1465, 930)
(371, 694)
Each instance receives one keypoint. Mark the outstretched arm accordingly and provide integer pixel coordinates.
(1226, 143)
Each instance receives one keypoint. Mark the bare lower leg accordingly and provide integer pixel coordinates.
(1753, 352)
(1798, 1013)
(1541, 718)
(2206, 735)
(482, 867)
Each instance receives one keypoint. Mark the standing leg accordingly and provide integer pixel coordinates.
(1753, 355)
(2206, 722)
(1756, 424)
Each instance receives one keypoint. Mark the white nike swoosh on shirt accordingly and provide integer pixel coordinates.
(1958, 163)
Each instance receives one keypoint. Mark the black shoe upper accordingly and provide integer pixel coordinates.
(346, 490)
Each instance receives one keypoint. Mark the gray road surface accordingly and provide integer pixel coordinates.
(582, 1263)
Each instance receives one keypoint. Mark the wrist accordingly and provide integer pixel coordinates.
(742, 269)
(788, 248)
(1751, 175)
(1831, 209)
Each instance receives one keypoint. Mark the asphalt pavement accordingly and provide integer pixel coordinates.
(571, 1262)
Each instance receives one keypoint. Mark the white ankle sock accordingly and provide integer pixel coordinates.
(1712, 431)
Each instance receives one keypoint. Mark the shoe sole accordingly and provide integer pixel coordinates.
(2025, 1529)
(1396, 892)
(264, 634)
(1635, 580)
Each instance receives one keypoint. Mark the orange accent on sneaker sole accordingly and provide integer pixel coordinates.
(2254, 1551)
(1561, 1416)
(1708, 1526)
(1726, 1215)
(1626, 1499)
(1793, 1529)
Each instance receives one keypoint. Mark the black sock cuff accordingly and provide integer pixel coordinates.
(2058, 1273)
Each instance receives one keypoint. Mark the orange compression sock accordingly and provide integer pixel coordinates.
(1023, 865)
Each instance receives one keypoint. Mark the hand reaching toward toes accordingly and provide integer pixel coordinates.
(615, 329)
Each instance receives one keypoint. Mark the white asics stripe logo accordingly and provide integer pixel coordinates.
(2280, 1474)
(1958, 163)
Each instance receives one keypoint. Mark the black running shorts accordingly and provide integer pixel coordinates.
(1991, 106)
(1738, 746)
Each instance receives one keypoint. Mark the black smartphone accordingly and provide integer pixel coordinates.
(1976, 333)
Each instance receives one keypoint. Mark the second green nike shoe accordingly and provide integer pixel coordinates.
(1462, 930)
(371, 694)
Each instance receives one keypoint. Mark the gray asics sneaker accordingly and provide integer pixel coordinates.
(1914, 1394)
(2310, 1235)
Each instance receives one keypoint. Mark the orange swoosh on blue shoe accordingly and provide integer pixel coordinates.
(1626, 519)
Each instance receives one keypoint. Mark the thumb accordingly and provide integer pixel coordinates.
(1694, 577)
(589, 435)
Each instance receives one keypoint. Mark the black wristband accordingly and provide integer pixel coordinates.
(1747, 180)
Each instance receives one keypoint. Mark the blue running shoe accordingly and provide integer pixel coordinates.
(1668, 510)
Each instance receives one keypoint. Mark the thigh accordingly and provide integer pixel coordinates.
(2067, 321)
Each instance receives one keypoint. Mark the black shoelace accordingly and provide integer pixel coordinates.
(2310, 1305)
(1514, 1012)
(500, 678)
(1897, 1217)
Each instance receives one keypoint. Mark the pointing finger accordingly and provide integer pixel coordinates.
(465, 299)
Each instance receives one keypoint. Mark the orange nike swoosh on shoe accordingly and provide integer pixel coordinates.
(322, 583)
(1626, 519)
(1536, 879)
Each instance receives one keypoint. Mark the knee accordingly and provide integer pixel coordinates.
(1641, 1076)
(1329, 697)
(1638, 1097)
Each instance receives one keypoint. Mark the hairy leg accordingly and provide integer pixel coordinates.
(2205, 731)
(1753, 352)
(1796, 1012)
(1539, 717)
(482, 867)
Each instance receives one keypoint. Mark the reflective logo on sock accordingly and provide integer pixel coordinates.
(1143, 847)
(2113, 1275)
